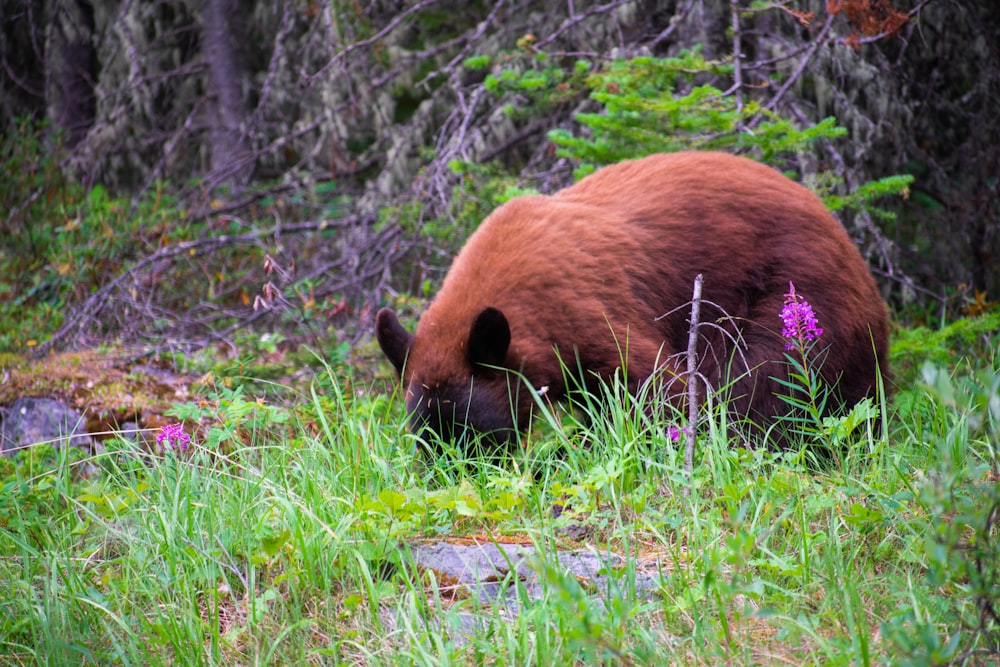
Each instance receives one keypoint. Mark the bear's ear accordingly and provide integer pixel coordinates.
(394, 340)
(489, 338)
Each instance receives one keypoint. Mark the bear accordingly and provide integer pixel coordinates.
(598, 278)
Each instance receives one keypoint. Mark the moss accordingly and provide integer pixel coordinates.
(104, 385)
(9, 360)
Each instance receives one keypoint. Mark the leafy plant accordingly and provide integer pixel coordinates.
(966, 337)
(960, 499)
(652, 105)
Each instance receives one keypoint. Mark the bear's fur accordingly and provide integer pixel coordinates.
(601, 273)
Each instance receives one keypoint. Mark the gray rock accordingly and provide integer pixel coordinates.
(483, 571)
(459, 564)
(498, 578)
(32, 421)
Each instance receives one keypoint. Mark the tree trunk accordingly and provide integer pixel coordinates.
(224, 32)
(73, 68)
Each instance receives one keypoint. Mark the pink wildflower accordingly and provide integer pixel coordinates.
(799, 322)
(172, 436)
(675, 434)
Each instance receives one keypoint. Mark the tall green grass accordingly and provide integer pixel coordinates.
(282, 535)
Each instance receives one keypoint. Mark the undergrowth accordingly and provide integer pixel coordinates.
(185, 271)
(281, 533)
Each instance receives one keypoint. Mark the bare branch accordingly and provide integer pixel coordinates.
(679, 15)
(392, 25)
(820, 40)
(692, 386)
(576, 19)
(86, 313)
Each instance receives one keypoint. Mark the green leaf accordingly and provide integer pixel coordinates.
(393, 501)
(272, 546)
(477, 62)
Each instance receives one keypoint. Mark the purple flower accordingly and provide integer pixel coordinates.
(799, 325)
(172, 436)
(675, 434)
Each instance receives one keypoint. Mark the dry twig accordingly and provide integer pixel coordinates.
(692, 383)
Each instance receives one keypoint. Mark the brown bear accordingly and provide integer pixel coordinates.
(598, 277)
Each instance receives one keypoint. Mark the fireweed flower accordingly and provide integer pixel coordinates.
(675, 433)
(799, 324)
(172, 436)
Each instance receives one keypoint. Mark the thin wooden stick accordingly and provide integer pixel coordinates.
(692, 381)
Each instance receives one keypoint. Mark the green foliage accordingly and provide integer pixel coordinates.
(547, 82)
(823, 436)
(60, 243)
(955, 345)
(393, 514)
(967, 337)
(869, 192)
(652, 105)
(476, 63)
(803, 389)
(958, 618)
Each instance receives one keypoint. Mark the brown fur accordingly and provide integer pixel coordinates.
(591, 272)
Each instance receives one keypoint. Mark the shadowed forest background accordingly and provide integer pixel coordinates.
(294, 164)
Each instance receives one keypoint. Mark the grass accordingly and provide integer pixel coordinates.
(280, 536)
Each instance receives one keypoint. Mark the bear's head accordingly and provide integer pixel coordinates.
(462, 389)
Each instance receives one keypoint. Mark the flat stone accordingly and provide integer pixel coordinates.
(483, 570)
(472, 569)
(488, 576)
(31, 421)
(464, 564)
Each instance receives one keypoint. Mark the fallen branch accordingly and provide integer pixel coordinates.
(88, 312)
